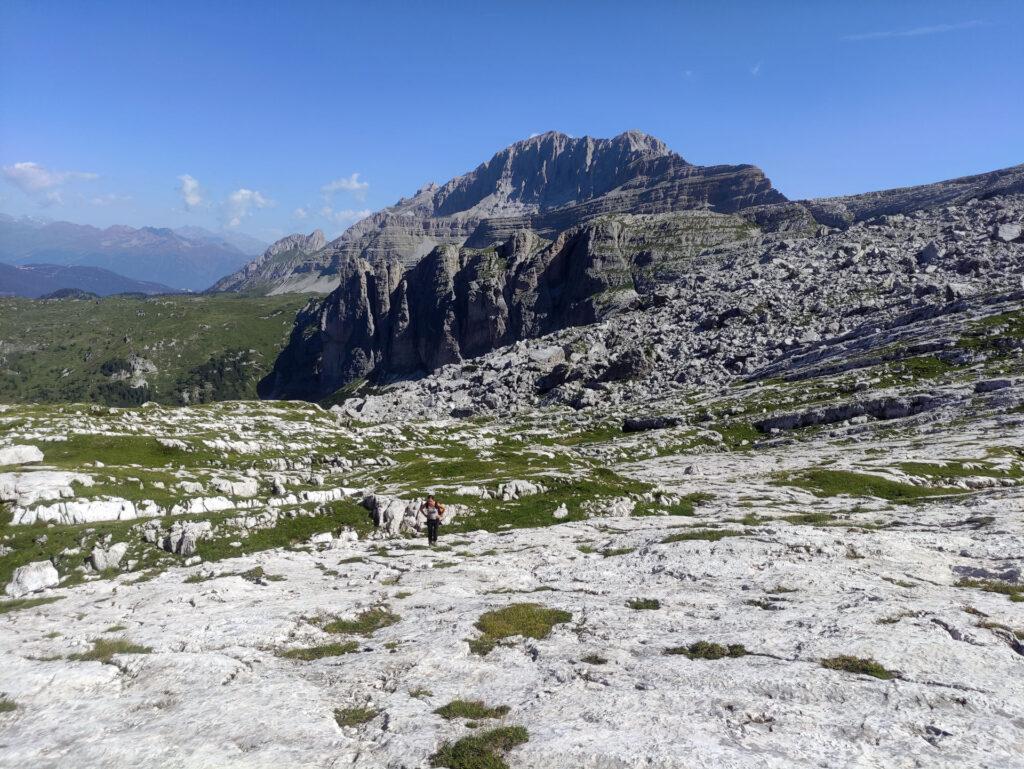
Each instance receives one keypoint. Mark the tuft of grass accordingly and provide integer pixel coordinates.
(115, 628)
(309, 653)
(472, 709)
(709, 535)
(354, 716)
(480, 751)
(7, 705)
(1015, 592)
(608, 552)
(858, 665)
(643, 603)
(365, 623)
(530, 620)
(706, 650)
(420, 693)
(810, 519)
(26, 603)
(103, 649)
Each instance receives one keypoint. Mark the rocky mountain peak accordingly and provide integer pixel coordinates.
(306, 244)
(546, 171)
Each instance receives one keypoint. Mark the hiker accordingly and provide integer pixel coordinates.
(434, 511)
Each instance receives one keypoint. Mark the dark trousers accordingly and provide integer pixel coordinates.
(432, 527)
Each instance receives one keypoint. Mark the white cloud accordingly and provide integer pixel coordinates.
(42, 183)
(191, 192)
(346, 184)
(240, 204)
(756, 69)
(345, 216)
(935, 29)
(300, 213)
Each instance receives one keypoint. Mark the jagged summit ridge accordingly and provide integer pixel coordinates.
(548, 171)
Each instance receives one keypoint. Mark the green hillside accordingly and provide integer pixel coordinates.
(126, 350)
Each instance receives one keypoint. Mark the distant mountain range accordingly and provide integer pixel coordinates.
(39, 280)
(187, 258)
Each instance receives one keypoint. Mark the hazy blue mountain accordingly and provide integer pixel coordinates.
(36, 280)
(155, 254)
(247, 244)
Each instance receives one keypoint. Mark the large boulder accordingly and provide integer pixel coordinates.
(183, 537)
(20, 455)
(516, 489)
(31, 578)
(108, 558)
(1007, 232)
(392, 515)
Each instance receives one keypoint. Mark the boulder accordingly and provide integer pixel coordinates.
(20, 455)
(109, 558)
(391, 514)
(991, 385)
(516, 489)
(245, 488)
(24, 489)
(31, 578)
(184, 537)
(1007, 233)
(930, 254)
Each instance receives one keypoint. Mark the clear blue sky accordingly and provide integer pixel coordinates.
(106, 106)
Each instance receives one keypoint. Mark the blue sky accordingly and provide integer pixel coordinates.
(274, 117)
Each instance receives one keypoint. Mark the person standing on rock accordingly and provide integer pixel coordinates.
(434, 511)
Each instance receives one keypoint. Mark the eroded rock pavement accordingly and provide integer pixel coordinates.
(862, 580)
(760, 505)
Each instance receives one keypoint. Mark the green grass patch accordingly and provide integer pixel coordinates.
(7, 705)
(707, 650)
(290, 531)
(857, 665)
(309, 653)
(833, 483)
(530, 620)
(481, 751)
(103, 649)
(354, 716)
(643, 604)
(473, 709)
(365, 623)
(810, 519)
